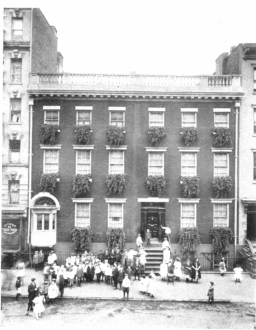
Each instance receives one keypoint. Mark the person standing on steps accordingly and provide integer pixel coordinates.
(148, 237)
(167, 233)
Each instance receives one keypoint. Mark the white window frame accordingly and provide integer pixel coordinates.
(185, 111)
(58, 153)
(10, 191)
(121, 201)
(17, 36)
(43, 222)
(47, 111)
(117, 109)
(254, 121)
(83, 150)
(156, 111)
(109, 159)
(84, 108)
(149, 155)
(214, 161)
(195, 213)
(76, 207)
(253, 166)
(254, 79)
(181, 165)
(214, 217)
(16, 63)
(221, 111)
(13, 112)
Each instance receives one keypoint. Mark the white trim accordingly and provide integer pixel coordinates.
(115, 149)
(82, 200)
(153, 200)
(117, 108)
(156, 149)
(51, 107)
(82, 147)
(119, 224)
(83, 107)
(90, 160)
(219, 150)
(218, 125)
(76, 213)
(221, 201)
(50, 110)
(221, 110)
(227, 214)
(156, 109)
(214, 175)
(48, 146)
(149, 163)
(58, 160)
(188, 200)
(90, 113)
(44, 194)
(186, 149)
(160, 124)
(183, 122)
(115, 200)
(122, 147)
(189, 110)
(181, 165)
(195, 209)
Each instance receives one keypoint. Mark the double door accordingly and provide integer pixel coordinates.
(153, 224)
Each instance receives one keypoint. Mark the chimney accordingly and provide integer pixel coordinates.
(219, 63)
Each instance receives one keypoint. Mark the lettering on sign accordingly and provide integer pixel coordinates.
(9, 228)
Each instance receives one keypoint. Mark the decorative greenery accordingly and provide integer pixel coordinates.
(156, 184)
(221, 136)
(189, 238)
(156, 134)
(221, 186)
(189, 186)
(189, 135)
(115, 183)
(83, 134)
(81, 185)
(49, 181)
(115, 236)
(221, 236)
(115, 135)
(82, 237)
(48, 133)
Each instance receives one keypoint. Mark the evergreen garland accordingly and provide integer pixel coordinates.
(81, 185)
(189, 135)
(82, 237)
(83, 134)
(115, 135)
(115, 237)
(221, 186)
(189, 186)
(48, 133)
(221, 136)
(156, 184)
(221, 237)
(115, 183)
(156, 134)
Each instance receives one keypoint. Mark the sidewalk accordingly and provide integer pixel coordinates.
(225, 288)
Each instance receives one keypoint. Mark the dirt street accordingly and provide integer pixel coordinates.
(95, 314)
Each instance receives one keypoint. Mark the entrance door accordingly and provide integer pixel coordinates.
(153, 224)
(251, 223)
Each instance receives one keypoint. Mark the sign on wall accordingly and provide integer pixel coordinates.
(9, 228)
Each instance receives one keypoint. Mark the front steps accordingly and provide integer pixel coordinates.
(154, 257)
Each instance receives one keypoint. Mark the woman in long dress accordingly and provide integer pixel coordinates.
(152, 286)
(163, 271)
(166, 255)
(52, 291)
(177, 269)
(39, 304)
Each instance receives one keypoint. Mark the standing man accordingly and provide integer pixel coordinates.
(126, 286)
(167, 233)
(31, 295)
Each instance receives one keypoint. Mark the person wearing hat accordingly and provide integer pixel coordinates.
(126, 286)
(165, 244)
(177, 269)
(52, 291)
(31, 295)
(210, 293)
(222, 267)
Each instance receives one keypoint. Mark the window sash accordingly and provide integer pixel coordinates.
(82, 217)
(188, 164)
(254, 166)
(156, 163)
(156, 119)
(51, 117)
(115, 215)
(254, 121)
(188, 215)
(116, 162)
(17, 28)
(16, 71)
(45, 221)
(83, 162)
(83, 117)
(51, 161)
(221, 164)
(220, 215)
(14, 156)
(116, 118)
(14, 192)
(221, 120)
(188, 119)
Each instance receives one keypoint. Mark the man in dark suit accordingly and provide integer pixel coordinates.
(31, 295)
(115, 274)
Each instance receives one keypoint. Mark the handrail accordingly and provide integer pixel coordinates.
(248, 242)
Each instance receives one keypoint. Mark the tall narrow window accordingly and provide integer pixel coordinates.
(188, 215)
(51, 161)
(51, 117)
(254, 121)
(43, 221)
(14, 191)
(221, 164)
(15, 110)
(53, 221)
(14, 151)
(116, 118)
(116, 162)
(220, 215)
(254, 79)
(115, 215)
(156, 163)
(17, 28)
(82, 216)
(254, 166)
(188, 164)
(16, 70)
(83, 162)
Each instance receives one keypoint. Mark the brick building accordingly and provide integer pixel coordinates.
(135, 102)
(29, 45)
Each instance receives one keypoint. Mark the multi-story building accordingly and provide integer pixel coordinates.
(137, 103)
(30, 45)
(242, 61)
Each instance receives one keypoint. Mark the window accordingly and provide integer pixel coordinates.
(156, 163)
(254, 79)
(156, 119)
(254, 121)
(82, 216)
(220, 215)
(16, 70)
(14, 151)
(254, 166)
(115, 215)
(221, 164)
(188, 164)
(188, 119)
(53, 221)
(221, 120)
(51, 161)
(188, 215)
(116, 118)
(17, 28)
(83, 162)
(14, 191)
(116, 162)
(83, 117)
(15, 110)
(43, 222)
(51, 117)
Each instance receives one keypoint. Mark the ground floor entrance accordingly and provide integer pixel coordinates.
(251, 222)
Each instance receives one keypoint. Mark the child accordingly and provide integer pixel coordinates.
(38, 304)
(142, 286)
(139, 242)
(148, 237)
(238, 274)
(107, 273)
(18, 288)
(210, 293)
(45, 289)
(222, 267)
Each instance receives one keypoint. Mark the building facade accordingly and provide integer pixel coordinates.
(29, 45)
(137, 103)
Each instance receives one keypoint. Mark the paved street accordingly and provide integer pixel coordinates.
(95, 314)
